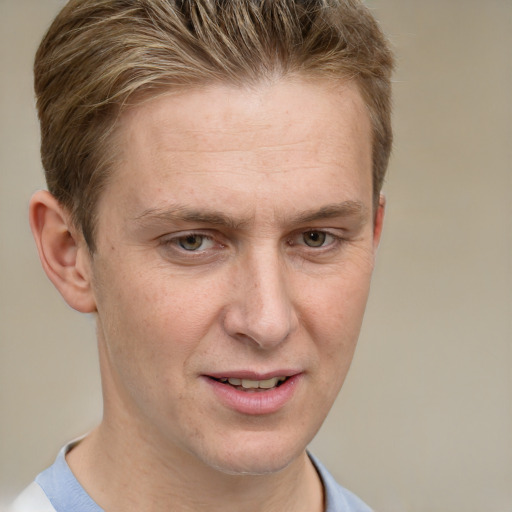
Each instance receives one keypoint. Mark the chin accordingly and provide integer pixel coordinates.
(255, 458)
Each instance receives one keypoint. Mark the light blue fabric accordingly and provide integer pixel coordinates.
(62, 488)
(66, 494)
(337, 498)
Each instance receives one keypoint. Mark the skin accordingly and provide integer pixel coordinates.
(236, 235)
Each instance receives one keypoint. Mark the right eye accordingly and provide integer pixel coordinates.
(192, 247)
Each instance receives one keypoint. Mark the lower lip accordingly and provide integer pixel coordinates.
(255, 402)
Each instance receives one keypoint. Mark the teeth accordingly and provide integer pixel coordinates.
(251, 384)
(255, 384)
(269, 383)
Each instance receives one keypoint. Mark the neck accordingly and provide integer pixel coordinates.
(143, 478)
(129, 464)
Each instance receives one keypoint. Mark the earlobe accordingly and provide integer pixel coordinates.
(379, 221)
(63, 253)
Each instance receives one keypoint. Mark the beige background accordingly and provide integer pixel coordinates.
(424, 423)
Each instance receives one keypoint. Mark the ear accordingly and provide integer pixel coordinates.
(63, 252)
(378, 221)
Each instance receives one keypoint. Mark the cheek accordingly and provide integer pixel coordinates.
(154, 318)
(337, 308)
(334, 319)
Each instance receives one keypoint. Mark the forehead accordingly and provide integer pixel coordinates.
(227, 145)
(260, 104)
(244, 118)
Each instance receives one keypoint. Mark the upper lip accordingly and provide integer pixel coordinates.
(251, 375)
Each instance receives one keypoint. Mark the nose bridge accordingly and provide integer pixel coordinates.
(263, 310)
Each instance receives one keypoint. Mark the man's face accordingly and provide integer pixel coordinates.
(235, 249)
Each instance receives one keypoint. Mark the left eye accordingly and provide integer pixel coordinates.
(193, 242)
(317, 238)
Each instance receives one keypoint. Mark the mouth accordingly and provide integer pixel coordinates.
(252, 386)
(255, 394)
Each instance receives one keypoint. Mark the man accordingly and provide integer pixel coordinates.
(214, 172)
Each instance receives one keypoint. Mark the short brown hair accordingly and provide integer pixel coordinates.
(100, 55)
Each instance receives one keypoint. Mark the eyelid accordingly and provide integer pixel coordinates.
(180, 235)
(186, 232)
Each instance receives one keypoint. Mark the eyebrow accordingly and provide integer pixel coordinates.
(338, 210)
(184, 214)
(173, 214)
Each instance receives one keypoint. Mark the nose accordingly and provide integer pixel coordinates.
(261, 309)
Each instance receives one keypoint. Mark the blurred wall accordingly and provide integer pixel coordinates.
(424, 422)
